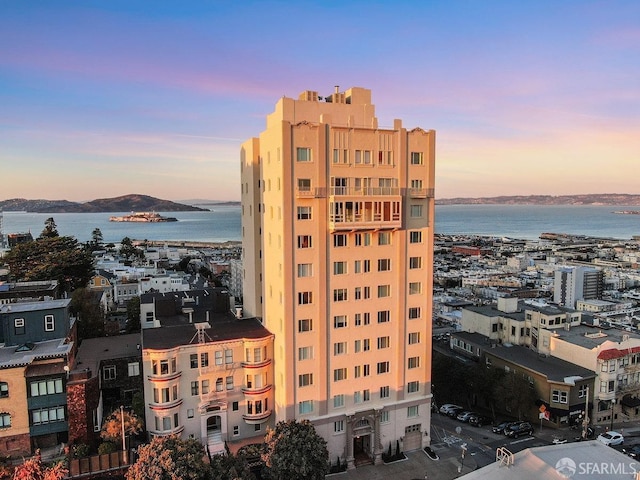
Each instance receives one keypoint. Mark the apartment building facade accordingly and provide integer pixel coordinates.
(337, 224)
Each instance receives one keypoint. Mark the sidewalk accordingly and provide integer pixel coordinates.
(414, 467)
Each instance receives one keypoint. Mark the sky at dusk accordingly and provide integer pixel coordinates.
(105, 98)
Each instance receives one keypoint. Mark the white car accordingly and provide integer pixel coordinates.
(447, 407)
(611, 438)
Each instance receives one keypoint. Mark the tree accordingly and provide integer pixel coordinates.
(51, 258)
(128, 250)
(295, 450)
(89, 313)
(170, 458)
(133, 315)
(50, 229)
(33, 469)
(229, 467)
(112, 426)
(517, 393)
(96, 240)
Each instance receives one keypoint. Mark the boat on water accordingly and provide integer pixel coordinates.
(143, 217)
(628, 212)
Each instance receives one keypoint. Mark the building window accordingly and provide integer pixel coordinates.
(229, 382)
(413, 387)
(413, 362)
(305, 379)
(383, 367)
(357, 371)
(234, 406)
(193, 360)
(414, 337)
(383, 342)
(366, 344)
(304, 184)
(305, 325)
(339, 268)
(582, 391)
(305, 298)
(305, 407)
(384, 238)
(383, 316)
(558, 396)
(340, 348)
(218, 357)
(49, 323)
(303, 154)
(412, 411)
(46, 387)
(416, 211)
(357, 397)
(339, 374)
(415, 262)
(190, 413)
(5, 420)
(384, 291)
(205, 387)
(305, 270)
(366, 266)
(416, 158)
(384, 416)
(340, 295)
(304, 213)
(228, 356)
(415, 288)
(414, 312)
(304, 241)
(18, 325)
(340, 240)
(384, 264)
(305, 353)
(195, 388)
(204, 359)
(415, 237)
(47, 415)
(340, 321)
(362, 239)
(134, 369)
(384, 391)
(338, 427)
(4, 389)
(109, 372)
(338, 401)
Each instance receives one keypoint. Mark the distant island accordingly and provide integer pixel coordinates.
(585, 199)
(124, 203)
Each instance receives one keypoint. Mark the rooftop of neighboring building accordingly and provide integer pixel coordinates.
(25, 354)
(492, 311)
(593, 458)
(94, 350)
(474, 338)
(592, 336)
(34, 306)
(553, 368)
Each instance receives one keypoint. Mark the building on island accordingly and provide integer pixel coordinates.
(337, 221)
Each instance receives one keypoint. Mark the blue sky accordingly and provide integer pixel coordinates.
(105, 98)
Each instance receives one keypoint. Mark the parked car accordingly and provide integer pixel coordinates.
(611, 438)
(444, 409)
(465, 415)
(522, 428)
(633, 451)
(479, 420)
(499, 428)
(453, 412)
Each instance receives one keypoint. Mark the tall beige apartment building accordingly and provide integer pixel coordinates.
(337, 225)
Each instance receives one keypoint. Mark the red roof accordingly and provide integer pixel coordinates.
(615, 353)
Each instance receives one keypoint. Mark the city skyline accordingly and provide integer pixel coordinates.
(110, 98)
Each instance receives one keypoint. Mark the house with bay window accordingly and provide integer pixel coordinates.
(207, 370)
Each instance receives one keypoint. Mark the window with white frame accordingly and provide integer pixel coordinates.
(415, 237)
(305, 325)
(384, 391)
(338, 426)
(305, 407)
(304, 241)
(340, 348)
(340, 295)
(18, 325)
(414, 337)
(134, 369)
(339, 374)
(383, 342)
(49, 323)
(413, 387)
(384, 291)
(340, 240)
(47, 415)
(4, 389)
(384, 238)
(5, 420)
(384, 416)
(384, 264)
(305, 379)
(416, 158)
(339, 321)
(338, 401)
(415, 262)
(109, 372)
(413, 362)
(305, 298)
(305, 353)
(384, 316)
(383, 367)
(412, 411)
(303, 154)
(414, 312)
(305, 270)
(416, 211)
(304, 213)
(415, 288)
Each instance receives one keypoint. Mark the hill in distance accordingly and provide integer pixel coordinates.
(612, 199)
(124, 203)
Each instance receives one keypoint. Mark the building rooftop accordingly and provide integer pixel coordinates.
(34, 306)
(592, 459)
(492, 311)
(94, 350)
(554, 369)
(22, 355)
(592, 337)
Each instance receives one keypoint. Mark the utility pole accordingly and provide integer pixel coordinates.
(585, 420)
(124, 442)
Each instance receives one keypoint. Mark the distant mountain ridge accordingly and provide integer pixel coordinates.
(124, 203)
(584, 199)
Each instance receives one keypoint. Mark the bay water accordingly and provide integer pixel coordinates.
(222, 223)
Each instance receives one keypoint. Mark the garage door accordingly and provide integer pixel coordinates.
(412, 438)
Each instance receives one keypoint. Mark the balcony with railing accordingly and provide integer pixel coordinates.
(364, 191)
(345, 215)
(165, 433)
(263, 363)
(256, 418)
(420, 192)
(256, 390)
(165, 405)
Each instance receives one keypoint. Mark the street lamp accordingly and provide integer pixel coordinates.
(613, 404)
(124, 443)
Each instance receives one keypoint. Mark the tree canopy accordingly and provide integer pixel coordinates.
(51, 258)
(89, 312)
(295, 450)
(50, 229)
(33, 469)
(112, 427)
(170, 458)
(128, 250)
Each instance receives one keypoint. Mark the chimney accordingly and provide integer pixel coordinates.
(337, 87)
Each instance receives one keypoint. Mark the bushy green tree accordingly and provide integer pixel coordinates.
(295, 450)
(51, 258)
(90, 314)
(50, 229)
(516, 394)
(128, 250)
(170, 458)
(133, 315)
